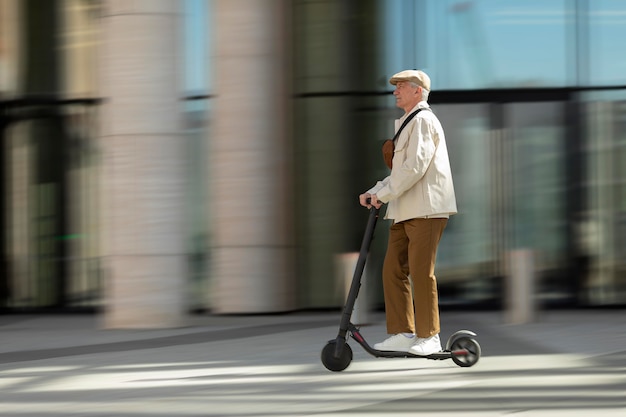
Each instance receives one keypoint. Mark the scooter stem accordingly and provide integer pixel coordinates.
(356, 279)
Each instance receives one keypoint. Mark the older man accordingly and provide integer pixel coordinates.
(420, 196)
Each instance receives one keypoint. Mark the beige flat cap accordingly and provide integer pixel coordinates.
(418, 77)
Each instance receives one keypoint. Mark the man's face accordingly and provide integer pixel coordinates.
(406, 95)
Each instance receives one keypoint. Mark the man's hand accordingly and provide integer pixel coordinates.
(373, 200)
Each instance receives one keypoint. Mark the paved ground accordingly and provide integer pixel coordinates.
(568, 363)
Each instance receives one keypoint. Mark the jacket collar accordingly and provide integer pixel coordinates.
(421, 105)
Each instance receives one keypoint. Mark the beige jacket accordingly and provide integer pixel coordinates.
(420, 183)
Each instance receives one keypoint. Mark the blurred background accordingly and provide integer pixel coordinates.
(167, 156)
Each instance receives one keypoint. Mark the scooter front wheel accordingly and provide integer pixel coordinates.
(465, 351)
(336, 364)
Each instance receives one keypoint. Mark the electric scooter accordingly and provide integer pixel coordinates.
(461, 347)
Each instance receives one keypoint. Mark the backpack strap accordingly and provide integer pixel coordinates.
(406, 122)
(389, 144)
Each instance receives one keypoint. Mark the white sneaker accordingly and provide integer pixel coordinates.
(425, 347)
(396, 343)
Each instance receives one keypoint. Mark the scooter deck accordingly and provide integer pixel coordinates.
(442, 355)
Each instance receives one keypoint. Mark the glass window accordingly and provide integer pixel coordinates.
(196, 41)
(602, 230)
(607, 30)
(482, 43)
(466, 253)
(197, 75)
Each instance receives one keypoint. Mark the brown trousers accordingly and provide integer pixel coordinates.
(411, 255)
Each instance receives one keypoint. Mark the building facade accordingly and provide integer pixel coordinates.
(162, 156)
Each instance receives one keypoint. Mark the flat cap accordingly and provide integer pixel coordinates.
(418, 77)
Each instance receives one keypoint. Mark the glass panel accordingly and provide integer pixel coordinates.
(510, 186)
(404, 48)
(79, 40)
(196, 131)
(466, 253)
(52, 239)
(196, 109)
(482, 43)
(607, 30)
(81, 235)
(197, 38)
(603, 230)
(539, 189)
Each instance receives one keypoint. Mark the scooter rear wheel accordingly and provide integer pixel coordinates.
(468, 351)
(336, 364)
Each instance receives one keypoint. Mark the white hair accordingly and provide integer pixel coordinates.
(425, 92)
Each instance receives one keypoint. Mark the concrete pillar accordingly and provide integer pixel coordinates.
(143, 164)
(250, 198)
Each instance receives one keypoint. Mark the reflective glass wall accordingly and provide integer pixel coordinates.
(602, 225)
(196, 96)
(48, 148)
(494, 44)
(543, 173)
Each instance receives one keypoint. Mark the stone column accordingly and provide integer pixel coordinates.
(250, 187)
(143, 164)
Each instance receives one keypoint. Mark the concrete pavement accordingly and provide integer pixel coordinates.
(567, 363)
